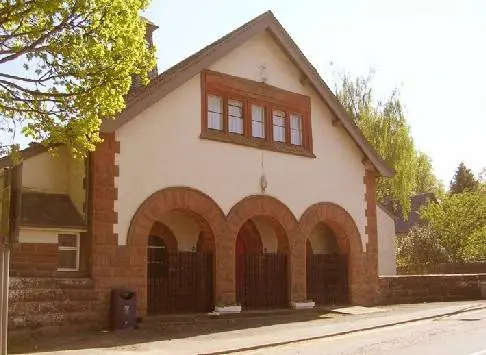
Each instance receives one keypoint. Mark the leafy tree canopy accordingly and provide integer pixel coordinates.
(425, 180)
(463, 180)
(65, 64)
(420, 246)
(384, 125)
(459, 221)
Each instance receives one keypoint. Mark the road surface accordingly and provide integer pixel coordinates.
(462, 334)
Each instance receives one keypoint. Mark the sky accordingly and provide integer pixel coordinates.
(433, 51)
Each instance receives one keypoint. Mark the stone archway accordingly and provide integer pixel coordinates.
(192, 202)
(286, 229)
(327, 267)
(349, 242)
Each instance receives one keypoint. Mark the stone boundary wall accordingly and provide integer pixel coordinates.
(445, 268)
(50, 305)
(431, 288)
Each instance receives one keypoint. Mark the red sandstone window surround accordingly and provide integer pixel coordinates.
(245, 112)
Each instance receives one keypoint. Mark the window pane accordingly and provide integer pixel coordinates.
(215, 112)
(215, 104)
(258, 121)
(67, 240)
(67, 259)
(235, 116)
(278, 125)
(295, 129)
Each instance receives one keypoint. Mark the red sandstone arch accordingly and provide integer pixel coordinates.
(279, 215)
(190, 201)
(346, 231)
(287, 232)
(339, 220)
(185, 199)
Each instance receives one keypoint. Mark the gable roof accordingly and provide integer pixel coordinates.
(46, 210)
(172, 78)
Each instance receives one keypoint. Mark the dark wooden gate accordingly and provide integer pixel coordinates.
(262, 281)
(327, 279)
(179, 282)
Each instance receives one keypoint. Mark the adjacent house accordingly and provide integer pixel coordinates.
(417, 201)
(387, 244)
(235, 180)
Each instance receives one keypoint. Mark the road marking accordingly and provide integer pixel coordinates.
(481, 352)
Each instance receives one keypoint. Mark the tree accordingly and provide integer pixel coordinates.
(420, 246)
(463, 180)
(66, 64)
(425, 180)
(385, 127)
(482, 181)
(482, 175)
(459, 221)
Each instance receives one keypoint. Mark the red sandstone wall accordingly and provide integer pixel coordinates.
(430, 288)
(34, 259)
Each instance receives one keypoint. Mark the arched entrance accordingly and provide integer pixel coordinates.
(173, 240)
(327, 267)
(180, 265)
(334, 255)
(261, 250)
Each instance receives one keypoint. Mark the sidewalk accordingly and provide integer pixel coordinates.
(254, 338)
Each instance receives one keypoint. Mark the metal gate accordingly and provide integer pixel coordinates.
(179, 282)
(327, 279)
(261, 281)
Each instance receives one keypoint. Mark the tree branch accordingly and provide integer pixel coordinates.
(38, 41)
(6, 13)
(41, 93)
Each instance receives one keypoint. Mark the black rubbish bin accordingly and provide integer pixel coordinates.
(123, 308)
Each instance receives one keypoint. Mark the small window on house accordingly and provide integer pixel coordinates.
(68, 252)
(257, 121)
(215, 112)
(278, 118)
(295, 129)
(235, 116)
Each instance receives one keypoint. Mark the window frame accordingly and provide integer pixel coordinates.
(285, 125)
(244, 113)
(77, 249)
(222, 113)
(269, 98)
(265, 120)
(301, 131)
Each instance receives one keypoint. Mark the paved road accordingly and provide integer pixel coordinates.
(462, 334)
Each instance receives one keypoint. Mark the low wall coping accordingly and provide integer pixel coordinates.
(431, 275)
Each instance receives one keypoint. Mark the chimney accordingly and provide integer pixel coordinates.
(149, 29)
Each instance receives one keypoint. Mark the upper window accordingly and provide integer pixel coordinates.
(295, 129)
(278, 121)
(215, 112)
(246, 112)
(68, 252)
(258, 121)
(235, 116)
